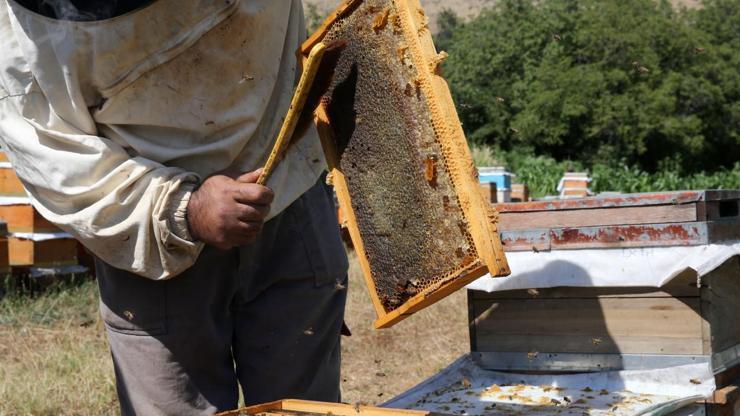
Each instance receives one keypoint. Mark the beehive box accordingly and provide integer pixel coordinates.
(32, 241)
(597, 328)
(489, 191)
(574, 185)
(22, 217)
(309, 408)
(659, 219)
(41, 251)
(519, 192)
(399, 161)
(10, 185)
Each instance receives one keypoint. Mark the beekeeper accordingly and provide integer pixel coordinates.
(137, 126)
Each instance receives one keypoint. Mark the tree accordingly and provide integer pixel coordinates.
(613, 81)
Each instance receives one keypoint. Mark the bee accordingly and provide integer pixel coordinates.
(641, 69)
(424, 24)
(460, 253)
(381, 19)
(430, 170)
(396, 23)
(437, 62)
(401, 52)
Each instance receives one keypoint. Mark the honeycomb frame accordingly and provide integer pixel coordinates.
(480, 217)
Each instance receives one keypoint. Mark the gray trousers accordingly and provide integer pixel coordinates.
(266, 316)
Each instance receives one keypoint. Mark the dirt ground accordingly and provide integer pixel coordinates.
(379, 364)
(54, 358)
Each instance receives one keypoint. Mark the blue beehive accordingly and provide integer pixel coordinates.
(498, 175)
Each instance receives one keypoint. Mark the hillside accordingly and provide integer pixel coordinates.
(463, 8)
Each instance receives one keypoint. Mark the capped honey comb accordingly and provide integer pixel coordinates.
(399, 161)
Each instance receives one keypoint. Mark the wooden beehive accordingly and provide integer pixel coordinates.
(310, 408)
(574, 185)
(489, 191)
(680, 218)
(10, 185)
(399, 161)
(22, 217)
(600, 328)
(32, 241)
(519, 192)
(31, 251)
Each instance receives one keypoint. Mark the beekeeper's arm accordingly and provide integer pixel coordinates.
(129, 211)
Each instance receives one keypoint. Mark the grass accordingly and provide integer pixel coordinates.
(53, 355)
(54, 359)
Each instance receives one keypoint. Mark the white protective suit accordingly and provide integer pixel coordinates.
(110, 124)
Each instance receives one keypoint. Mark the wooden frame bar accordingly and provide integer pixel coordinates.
(321, 408)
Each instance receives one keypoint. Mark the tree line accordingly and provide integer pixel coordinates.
(635, 89)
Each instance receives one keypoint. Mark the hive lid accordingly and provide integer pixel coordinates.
(399, 162)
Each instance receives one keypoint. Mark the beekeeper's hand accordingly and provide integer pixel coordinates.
(229, 210)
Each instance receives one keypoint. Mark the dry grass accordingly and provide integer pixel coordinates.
(54, 359)
(53, 355)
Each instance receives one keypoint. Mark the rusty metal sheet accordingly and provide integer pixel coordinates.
(526, 240)
(622, 236)
(642, 235)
